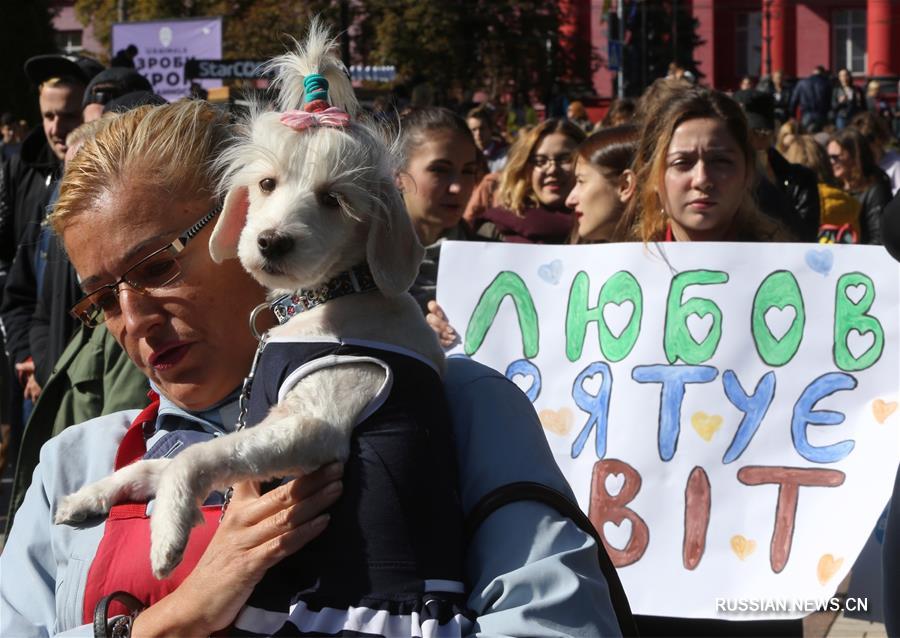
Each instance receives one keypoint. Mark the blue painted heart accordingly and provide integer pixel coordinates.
(820, 261)
(551, 272)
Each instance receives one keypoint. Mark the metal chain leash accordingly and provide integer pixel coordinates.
(244, 400)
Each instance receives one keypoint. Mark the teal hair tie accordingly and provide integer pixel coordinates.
(315, 87)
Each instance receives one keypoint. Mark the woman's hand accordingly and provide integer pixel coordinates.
(439, 323)
(255, 533)
(25, 372)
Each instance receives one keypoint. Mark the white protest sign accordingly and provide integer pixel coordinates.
(165, 46)
(725, 413)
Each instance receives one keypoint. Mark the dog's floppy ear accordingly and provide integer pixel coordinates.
(392, 249)
(223, 243)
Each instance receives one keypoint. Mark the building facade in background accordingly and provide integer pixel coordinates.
(754, 37)
(71, 35)
(740, 37)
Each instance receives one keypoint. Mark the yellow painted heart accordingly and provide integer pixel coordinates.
(557, 421)
(828, 567)
(706, 424)
(883, 409)
(742, 547)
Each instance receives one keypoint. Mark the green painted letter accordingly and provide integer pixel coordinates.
(677, 341)
(853, 297)
(779, 290)
(505, 283)
(619, 288)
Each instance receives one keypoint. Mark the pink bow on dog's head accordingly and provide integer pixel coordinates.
(300, 120)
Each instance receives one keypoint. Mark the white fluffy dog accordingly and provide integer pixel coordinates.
(308, 198)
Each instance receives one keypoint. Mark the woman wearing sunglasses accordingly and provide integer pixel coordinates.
(854, 166)
(533, 187)
(135, 213)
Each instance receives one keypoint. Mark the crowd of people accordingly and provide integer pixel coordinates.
(89, 199)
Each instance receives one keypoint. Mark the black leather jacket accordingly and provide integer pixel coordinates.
(890, 231)
(794, 198)
(873, 200)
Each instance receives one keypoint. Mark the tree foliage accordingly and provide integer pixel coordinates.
(658, 33)
(451, 44)
(252, 28)
(496, 45)
(25, 30)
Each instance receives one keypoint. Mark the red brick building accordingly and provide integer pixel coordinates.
(862, 35)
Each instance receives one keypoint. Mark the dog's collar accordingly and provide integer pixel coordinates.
(357, 279)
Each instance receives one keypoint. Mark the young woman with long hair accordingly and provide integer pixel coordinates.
(854, 166)
(533, 186)
(839, 210)
(438, 171)
(604, 183)
(695, 171)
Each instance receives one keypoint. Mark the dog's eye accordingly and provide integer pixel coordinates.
(267, 185)
(328, 199)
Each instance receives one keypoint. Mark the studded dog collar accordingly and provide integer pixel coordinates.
(357, 279)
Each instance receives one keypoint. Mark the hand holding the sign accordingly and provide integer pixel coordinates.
(441, 325)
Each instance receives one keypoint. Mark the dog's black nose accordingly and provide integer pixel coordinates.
(273, 245)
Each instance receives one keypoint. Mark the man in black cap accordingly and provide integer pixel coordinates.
(60, 81)
(109, 85)
(25, 186)
(788, 192)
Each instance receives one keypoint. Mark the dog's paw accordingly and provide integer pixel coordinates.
(165, 556)
(80, 506)
(170, 529)
(167, 544)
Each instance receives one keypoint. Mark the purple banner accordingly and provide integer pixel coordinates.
(165, 46)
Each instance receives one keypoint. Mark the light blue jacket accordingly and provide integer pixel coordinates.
(533, 572)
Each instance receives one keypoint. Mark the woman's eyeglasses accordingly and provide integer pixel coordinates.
(564, 161)
(157, 270)
(834, 159)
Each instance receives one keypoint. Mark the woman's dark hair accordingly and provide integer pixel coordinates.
(417, 123)
(657, 95)
(872, 126)
(483, 114)
(611, 149)
(863, 169)
(621, 111)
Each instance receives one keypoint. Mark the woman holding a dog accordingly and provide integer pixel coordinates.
(148, 182)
